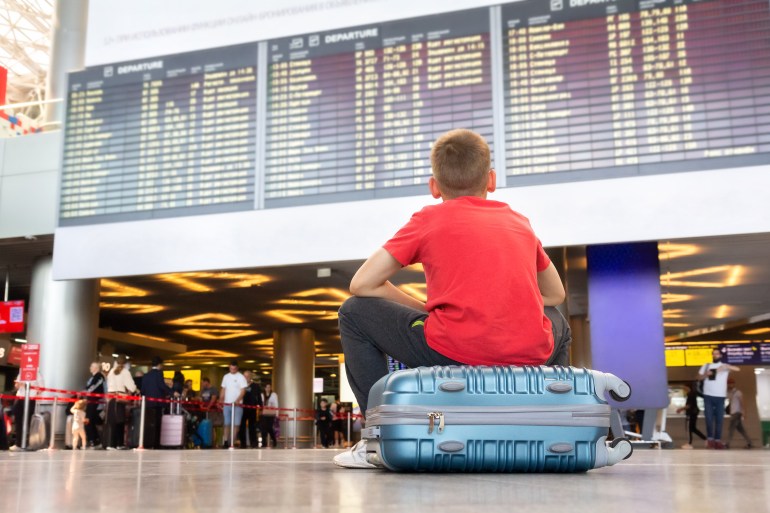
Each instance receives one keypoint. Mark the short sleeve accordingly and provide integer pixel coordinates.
(542, 259)
(242, 381)
(405, 244)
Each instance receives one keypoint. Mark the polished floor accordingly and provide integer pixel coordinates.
(656, 481)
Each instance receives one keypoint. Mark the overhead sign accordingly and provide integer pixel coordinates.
(744, 353)
(30, 360)
(11, 316)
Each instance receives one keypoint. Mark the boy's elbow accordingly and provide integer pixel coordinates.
(356, 287)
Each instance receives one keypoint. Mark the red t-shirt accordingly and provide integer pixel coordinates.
(481, 261)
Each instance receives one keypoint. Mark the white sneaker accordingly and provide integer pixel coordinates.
(355, 457)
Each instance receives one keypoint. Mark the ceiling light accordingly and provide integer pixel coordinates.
(21, 340)
(668, 297)
(150, 337)
(758, 331)
(206, 353)
(333, 375)
(324, 291)
(268, 342)
(722, 311)
(416, 268)
(209, 319)
(112, 288)
(669, 250)
(187, 366)
(301, 316)
(218, 334)
(188, 281)
(732, 272)
(416, 290)
(675, 325)
(138, 308)
(677, 313)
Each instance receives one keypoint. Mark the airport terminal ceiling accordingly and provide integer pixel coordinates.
(713, 289)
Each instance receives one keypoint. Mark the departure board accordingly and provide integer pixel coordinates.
(162, 137)
(351, 114)
(616, 88)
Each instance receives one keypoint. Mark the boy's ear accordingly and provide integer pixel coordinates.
(433, 186)
(492, 181)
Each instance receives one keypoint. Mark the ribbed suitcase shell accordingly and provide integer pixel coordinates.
(488, 444)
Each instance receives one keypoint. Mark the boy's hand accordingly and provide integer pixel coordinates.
(371, 280)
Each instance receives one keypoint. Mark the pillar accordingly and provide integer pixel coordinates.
(63, 319)
(293, 373)
(626, 322)
(68, 44)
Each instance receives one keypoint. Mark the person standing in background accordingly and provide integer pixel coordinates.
(119, 382)
(233, 390)
(94, 385)
(252, 399)
(154, 387)
(736, 414)
(714, 377)
(691, 411)
(324, 419)
(267, 420)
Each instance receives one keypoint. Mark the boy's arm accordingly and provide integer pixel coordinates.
(371, 280)
(550, 286)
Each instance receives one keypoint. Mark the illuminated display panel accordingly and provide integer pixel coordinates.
(162, 137)
(635, 87)
(352, 113)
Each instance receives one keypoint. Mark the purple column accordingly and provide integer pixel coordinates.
(626, 319)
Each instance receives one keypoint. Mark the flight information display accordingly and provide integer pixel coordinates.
(163, 137)
(352, 113)
(632, 87)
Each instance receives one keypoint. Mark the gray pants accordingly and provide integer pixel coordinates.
(736, 422)
(371, 328)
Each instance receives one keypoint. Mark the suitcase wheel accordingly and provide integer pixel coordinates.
(621, 398)
(619, 441)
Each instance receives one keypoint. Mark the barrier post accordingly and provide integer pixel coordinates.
(294, 435)
(141, 425)
(347, 442)
(284, 434)
(232, 427)
(24, 427)
(51, 445)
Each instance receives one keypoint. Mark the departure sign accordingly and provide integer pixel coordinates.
(622, 87)
(164, 137)
(352, 113)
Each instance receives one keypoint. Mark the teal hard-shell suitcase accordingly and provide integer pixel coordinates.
(494, 419)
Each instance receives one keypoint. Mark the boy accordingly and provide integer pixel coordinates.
(488, 281)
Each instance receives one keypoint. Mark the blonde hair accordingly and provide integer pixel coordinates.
(80, 404)
(460, 161)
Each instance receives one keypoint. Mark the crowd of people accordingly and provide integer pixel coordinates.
(110, 423)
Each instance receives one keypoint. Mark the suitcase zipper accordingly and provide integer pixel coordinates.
(432, 416)
(580, 416)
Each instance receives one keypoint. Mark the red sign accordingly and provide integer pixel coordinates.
(14, 356)
(30, 359)
(11, 316)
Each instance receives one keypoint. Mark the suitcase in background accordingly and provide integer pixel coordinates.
(172, 428)
(151, 419)
(39, 431)
(493, 419)
(204, 435)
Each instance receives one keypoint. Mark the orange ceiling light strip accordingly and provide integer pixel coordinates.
(150, 337)
(758, 331)
(112, 288)
(723, 311)
(307, 302)
(676, 313)
(210, 319)
(137, 308)
(300, 316)
(265, 342)
(416, 268)
(189, 281)
(416, 290)
(669, 297)
(206, 353)
(217, 333)
(675, 325)
(671, 250)
(339, 294)
(732, 274)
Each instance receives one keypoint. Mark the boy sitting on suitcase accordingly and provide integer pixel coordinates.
(491, 288)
